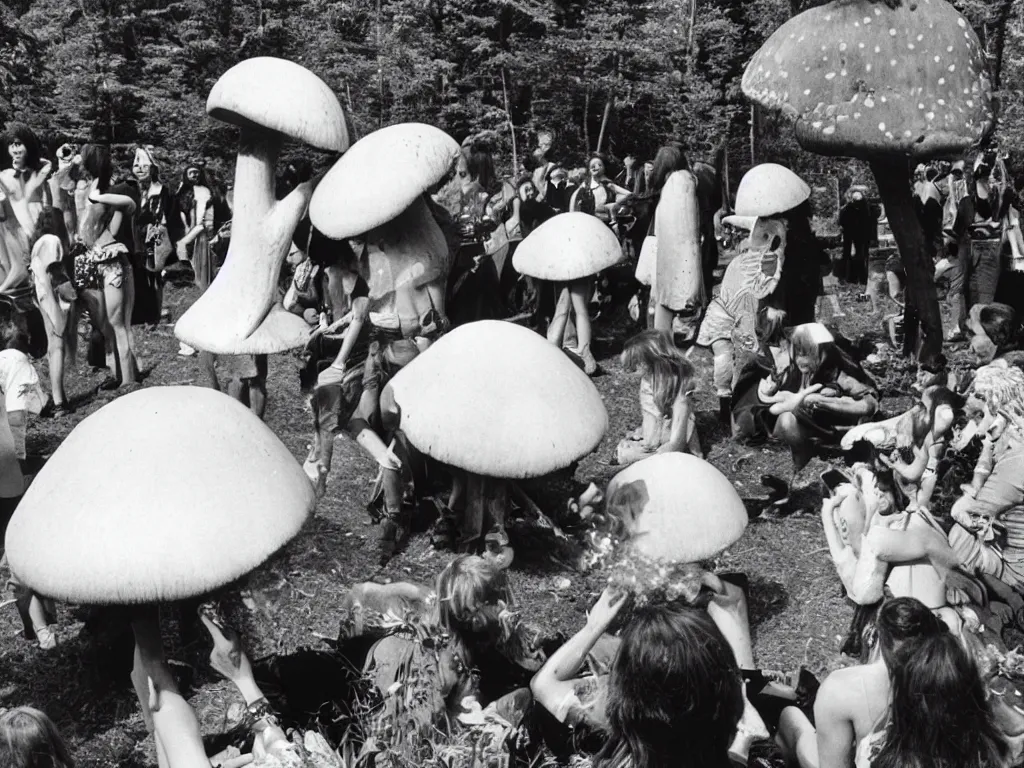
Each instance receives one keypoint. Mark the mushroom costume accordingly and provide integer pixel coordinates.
(749, 282)
(892, 86)
(77, 538)
(518, 409)
(376, 193)
(569, 248)
(269, 99)
(773, 191)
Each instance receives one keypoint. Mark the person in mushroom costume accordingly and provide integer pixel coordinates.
(518, 409)
(750, 281)
(76, 539)
(892, 84)
(669, 515)
(570, 249)
(376, 196)
(772, 191)
(269, 99)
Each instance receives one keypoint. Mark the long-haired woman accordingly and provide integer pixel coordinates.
(666, 388)
(103, 271)
(29, 739)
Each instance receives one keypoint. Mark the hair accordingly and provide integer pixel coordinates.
(22, 134)
(901, 623)
(597, 156)
(769, 325)
(830, 357)
(1000, 324)
(466, 586)
(939, 716)
(29, 739)
(674, 684)
(670, 370)
(669, 159)
(480, 165)
(96, 162)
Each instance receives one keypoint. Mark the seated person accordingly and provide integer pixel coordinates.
(854, 701)
(666, 386)
(990, 520)
(592, 702)
(877, 550)
(994, 331)
(29, 739)
(818, 395)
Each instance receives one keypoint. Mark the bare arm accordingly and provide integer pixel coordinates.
(681, 411)
(120, 202)
(832, 720)
(360, 311)
(553, 684)
(192, 234)
(846, 406)
(17, 273)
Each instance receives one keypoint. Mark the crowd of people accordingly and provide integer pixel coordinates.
(920, 520)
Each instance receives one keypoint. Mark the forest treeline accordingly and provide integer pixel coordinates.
(616, 75)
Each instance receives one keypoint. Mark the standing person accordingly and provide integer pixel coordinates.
(676, 274)
(598, 195)
(543, 158)
(161, 227)
(559, 190)
(102, 270)
(24, 196)
(194, 202)
(474, 288)
(858, 223)
(977, 241)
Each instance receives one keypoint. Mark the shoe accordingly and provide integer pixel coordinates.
(46, 637)
(393, 534)
(184, 350)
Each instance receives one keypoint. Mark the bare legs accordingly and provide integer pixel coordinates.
(789, 431)
(575, 298)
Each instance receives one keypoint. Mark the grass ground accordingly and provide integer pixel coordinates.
(797, 608)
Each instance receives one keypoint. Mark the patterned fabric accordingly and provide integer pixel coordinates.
(100, 266)
(749, 279)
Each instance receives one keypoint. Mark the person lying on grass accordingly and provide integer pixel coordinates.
(666, 391)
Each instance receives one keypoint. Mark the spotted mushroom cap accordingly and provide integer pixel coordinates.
(860, 79)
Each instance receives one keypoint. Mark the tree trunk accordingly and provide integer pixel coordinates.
(997, 18)
(894, 185)
(586, 118)
(604, 120)
(508, 116)
(753, 133)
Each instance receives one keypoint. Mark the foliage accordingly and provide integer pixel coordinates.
(618, 75)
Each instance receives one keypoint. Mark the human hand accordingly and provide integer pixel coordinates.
(227, 656)
(181, 250)
(606, 608)
(961, 512)
(629, 162)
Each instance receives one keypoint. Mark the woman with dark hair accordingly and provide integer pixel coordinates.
(195, 202)
(994, 330)
(670, 258)
(102, 269)
(939, 715)
(474, 286)
(852, 702)
(674, 694)
(598, 195)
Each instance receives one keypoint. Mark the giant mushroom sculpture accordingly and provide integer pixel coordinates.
(269, 99)
(140, 538)
(569, 248)
(889, 85)
(518, 409)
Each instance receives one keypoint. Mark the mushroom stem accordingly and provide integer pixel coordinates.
(894, 185)
(166, 713)
(486, 503)
(245, 290)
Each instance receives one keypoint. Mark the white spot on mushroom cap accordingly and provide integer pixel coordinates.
(892, 62)
(861, 46)
(878, 11)
(856, 115)
(867, 67)
(920, 38)
(892, 32)
(829, 130)
(842, 46)
(910, 46)
(930, 115)
(961, 22)
(878, 49)
(869, 102)
(881, 126)
(807, 92)
(842, 72)
(942, 81)
(867, 19)
(952, 67)
(830, 75)
(938, 59)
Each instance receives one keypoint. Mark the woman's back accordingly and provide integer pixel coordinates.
(852, 702)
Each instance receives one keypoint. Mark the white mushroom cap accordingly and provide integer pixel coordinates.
(861, 79)
(279, 95)
(566, 247)
(117, 517)
(497, 399)
(381, 176)
(770, 189)
(677, 507)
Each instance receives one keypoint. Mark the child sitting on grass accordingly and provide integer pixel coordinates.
(666, 386)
